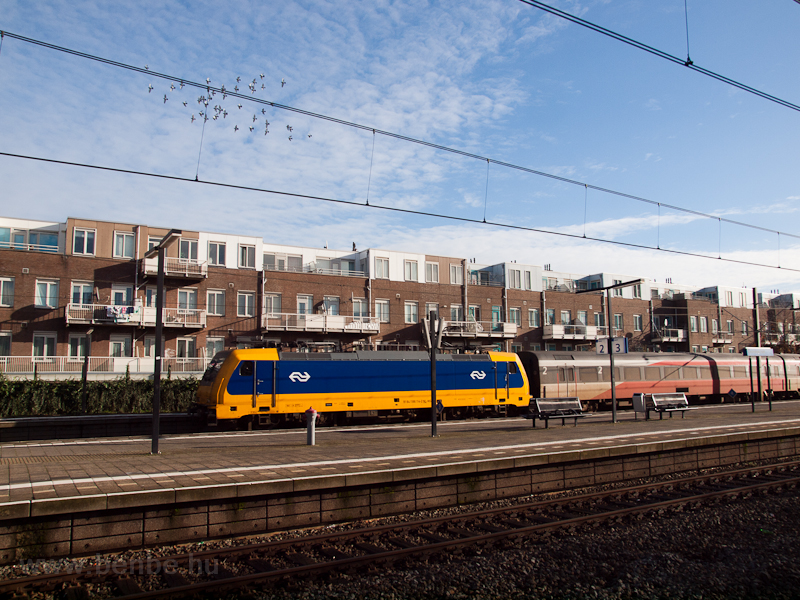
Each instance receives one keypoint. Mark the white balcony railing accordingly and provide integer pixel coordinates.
(176, 267)
(574, 332)
(319, 322)
(479, 329)
(669, 335)
(70, 365)
(90, 314)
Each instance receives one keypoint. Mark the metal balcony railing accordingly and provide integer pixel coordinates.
(479, 329)
(72, 366)
(104, 314)
(29, 247)
(176, 267)
(669, 335)
(574, 332)
(319, 322)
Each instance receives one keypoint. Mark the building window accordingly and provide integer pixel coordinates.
(77, 346)
(5, 343)
(729, 298)
(599, 319)
(617, 291)
(637, 290)
(123, 244)
(186, 348)
(730, 326)
(550, 316)
(40, 240)
(566, 317)
(121, 295)
(83, 242)
(742, 299)
(152, 242)
(82, 292)
(515, 279)
(46, 293)
(533, 317)
(551, 347)
(456, 312)
(247, 257)
(693, 323)
(331, 304)
(411, 312)
(515, 316)
(431, 272)
(618, 321)
(360, 309)
(703, 324)
(245, 304)
(44, 345)
(150, 294)
(214, 345)
(187, 299)
(456, 274)
(536, 347)
(6, 291)
(637, 322)
(431, 307)
(188, 250)
(215, 303)
(382, 310)
(474, 313)
(528, 283)
(381, 268)
(714, 326)
(410, 268)
(150, 346)
(121, 346)
(744, 327)
(272, 304)
(216, 253)
(305, 304)
(694, 349)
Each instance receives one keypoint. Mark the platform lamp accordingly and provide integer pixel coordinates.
(87, 348)
(166, 242)
(609, 322)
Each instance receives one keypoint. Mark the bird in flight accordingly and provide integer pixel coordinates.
(165, 98)
(263, 111)
(238, 80)
(146, 68)
(184, 102)
(172, 87)
(251, 128)
(288, 127)
(149, 88)
(193, 119)
(262, 76)
(290, 138)
(283, 82)
(309, 135)
(236, 128)
(255, 118)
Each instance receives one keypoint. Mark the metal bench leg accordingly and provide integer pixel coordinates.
(575, 422)
(546, 423)
(661, 416)
(563, 422)
(683, 414)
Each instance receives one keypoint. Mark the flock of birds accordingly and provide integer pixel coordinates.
(217, 111)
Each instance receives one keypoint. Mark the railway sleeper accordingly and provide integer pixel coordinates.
(460, 532)
(127, 586)
(301, 560)
(174, 579)
(432, 537)
(260, 565)
(489, 528)
(333, 553)
(401, 542)
(369, 548)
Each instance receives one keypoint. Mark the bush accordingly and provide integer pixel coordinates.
(38, 398)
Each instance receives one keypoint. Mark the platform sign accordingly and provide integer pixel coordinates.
(732, 393)
(619, 345)
(750, 351)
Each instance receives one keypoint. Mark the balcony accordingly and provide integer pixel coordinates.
(320, 323)
(29, 247)
(58, 367)
(104, 314)
(574, 332)
(722, 338)
(479, 329)
(669, 335)
(176, 267)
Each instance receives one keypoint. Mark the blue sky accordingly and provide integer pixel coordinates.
(494, 78)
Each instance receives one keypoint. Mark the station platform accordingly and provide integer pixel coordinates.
(101, 471)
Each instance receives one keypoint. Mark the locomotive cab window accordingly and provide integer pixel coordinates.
(246, 368)
(512, 368)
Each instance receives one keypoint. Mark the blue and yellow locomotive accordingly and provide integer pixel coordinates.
(267, 387)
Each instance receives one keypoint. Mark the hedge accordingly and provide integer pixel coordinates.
(36, 397)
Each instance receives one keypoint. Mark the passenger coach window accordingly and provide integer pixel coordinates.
(246, 368)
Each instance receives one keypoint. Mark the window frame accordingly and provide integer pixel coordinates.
(49, 296)
(82, 340)
(534, 318)
(383, 303)
(411, 311)
(193, 246)
(5, 346)
(410, 270)
(245, 257)
(127, 345)
(47, 335)
(269, 307)
(215, 340)
(431, 272)
(248, 308)
(86, 232)
(515, 315)
(125, 237)
(214, 257)
(638, 322)
(7, 291)
(456, 274)
(381, 272)
(215, 312)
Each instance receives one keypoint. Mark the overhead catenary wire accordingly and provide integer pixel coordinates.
(395, 209)
(206, 86)
(660, 53)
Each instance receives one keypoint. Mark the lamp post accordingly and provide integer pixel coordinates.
(87, 349)
(159, 251)
(607, 289)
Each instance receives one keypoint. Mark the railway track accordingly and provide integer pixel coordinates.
(238, 567)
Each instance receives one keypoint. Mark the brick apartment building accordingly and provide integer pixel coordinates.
(84, 286)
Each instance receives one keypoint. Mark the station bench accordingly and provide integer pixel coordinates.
(661, 403)
(554, 408)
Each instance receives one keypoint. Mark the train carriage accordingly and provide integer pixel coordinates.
(268, 387)
(700, 376)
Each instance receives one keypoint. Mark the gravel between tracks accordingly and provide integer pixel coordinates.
(746, 548)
